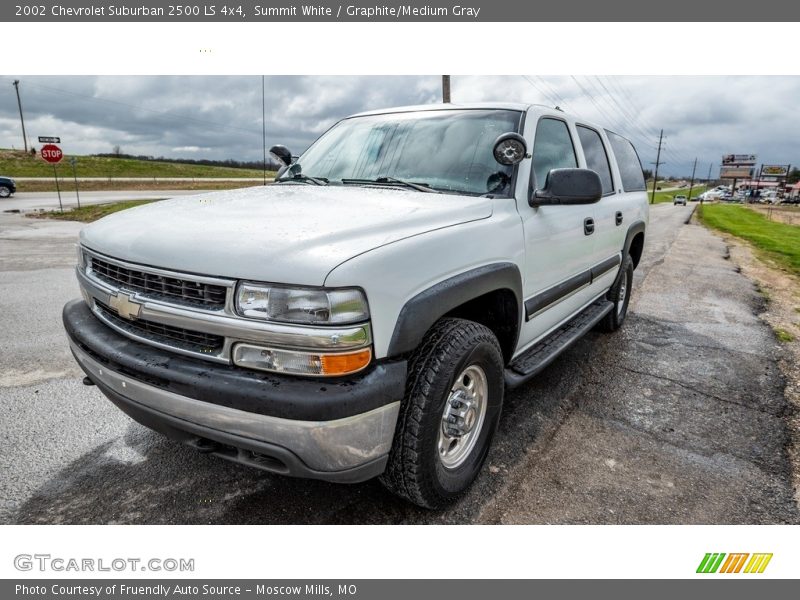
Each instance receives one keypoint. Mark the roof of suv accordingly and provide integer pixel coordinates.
(521, 106)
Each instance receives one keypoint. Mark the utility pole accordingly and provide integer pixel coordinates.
(708, 180)
(658, 162)
(264, 128)
(446, 89)
(73, 161)
(691, 184)
(21, 118)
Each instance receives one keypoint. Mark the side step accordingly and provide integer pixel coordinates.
(538, 356)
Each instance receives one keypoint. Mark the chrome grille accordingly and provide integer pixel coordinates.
(194, 341)
(180, 291)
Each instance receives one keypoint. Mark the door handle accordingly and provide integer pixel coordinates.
(618, 217)
(588, 226)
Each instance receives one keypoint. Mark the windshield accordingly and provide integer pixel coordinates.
(445, 150)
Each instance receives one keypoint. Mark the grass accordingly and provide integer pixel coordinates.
(127, 186)
(779, 242)
(18, 164)
(783, 335)
(667, 196)
(87, 214)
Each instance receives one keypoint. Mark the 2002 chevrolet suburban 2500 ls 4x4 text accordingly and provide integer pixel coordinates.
(364, 315)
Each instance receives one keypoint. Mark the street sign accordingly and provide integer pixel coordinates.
(51, 153)
(44, 139)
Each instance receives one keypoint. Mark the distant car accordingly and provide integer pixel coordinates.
(679, 200)
(7, 187)
(694, 199)
(770, 197)
(710, 195)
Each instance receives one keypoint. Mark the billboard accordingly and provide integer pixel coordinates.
(735, 172)
(739, 159)
(775, 170)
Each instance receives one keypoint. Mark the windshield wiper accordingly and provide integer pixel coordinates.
(420, 187)
(305, 178)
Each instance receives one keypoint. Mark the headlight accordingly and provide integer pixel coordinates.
(301, 305)
(313, 364)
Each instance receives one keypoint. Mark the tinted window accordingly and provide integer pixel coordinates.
(552, 149)
(596, 158)
(630, 168)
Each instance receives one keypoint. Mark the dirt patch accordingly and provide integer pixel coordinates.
(781, 293)
(782, 214)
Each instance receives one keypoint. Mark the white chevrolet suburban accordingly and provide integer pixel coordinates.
(364, 315)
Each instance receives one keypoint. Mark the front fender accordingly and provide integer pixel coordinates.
(427, 307)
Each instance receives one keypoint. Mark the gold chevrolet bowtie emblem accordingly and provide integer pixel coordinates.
(125, 306)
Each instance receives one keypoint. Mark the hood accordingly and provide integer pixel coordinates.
(288, 233)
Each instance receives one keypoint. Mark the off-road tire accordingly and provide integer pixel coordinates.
(415, 471)
(614, 319)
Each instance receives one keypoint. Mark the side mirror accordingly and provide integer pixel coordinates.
(281, 154)
(569, 186)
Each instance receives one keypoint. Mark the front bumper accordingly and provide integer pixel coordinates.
(337, 430)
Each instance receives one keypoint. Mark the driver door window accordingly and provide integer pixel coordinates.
(552, 149)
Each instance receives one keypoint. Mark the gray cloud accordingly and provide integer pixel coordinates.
(220, 117)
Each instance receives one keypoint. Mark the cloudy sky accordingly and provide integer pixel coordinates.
(220, 117)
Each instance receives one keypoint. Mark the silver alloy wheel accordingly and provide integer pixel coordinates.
(4, 192)
(623, 290)
(463, 417)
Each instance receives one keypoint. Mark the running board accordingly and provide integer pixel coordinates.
(538, 356)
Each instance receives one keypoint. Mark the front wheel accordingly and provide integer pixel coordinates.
(5, 192)
(454, 395)
(620, 295)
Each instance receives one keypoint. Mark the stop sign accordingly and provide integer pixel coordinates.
(51, 153)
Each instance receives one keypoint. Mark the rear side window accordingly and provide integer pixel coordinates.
(630, 168)
(596, 157)
(552, 149)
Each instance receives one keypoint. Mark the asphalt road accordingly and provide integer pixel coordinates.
(27, 201)
(678, 418)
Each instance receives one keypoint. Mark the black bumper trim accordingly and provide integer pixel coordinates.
(285, 397)
(238, 449)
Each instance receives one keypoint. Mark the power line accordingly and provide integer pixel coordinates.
(562, 102)
(547, 97)
(626, 97)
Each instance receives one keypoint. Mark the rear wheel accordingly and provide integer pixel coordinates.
(620, 295)
(454, 394)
